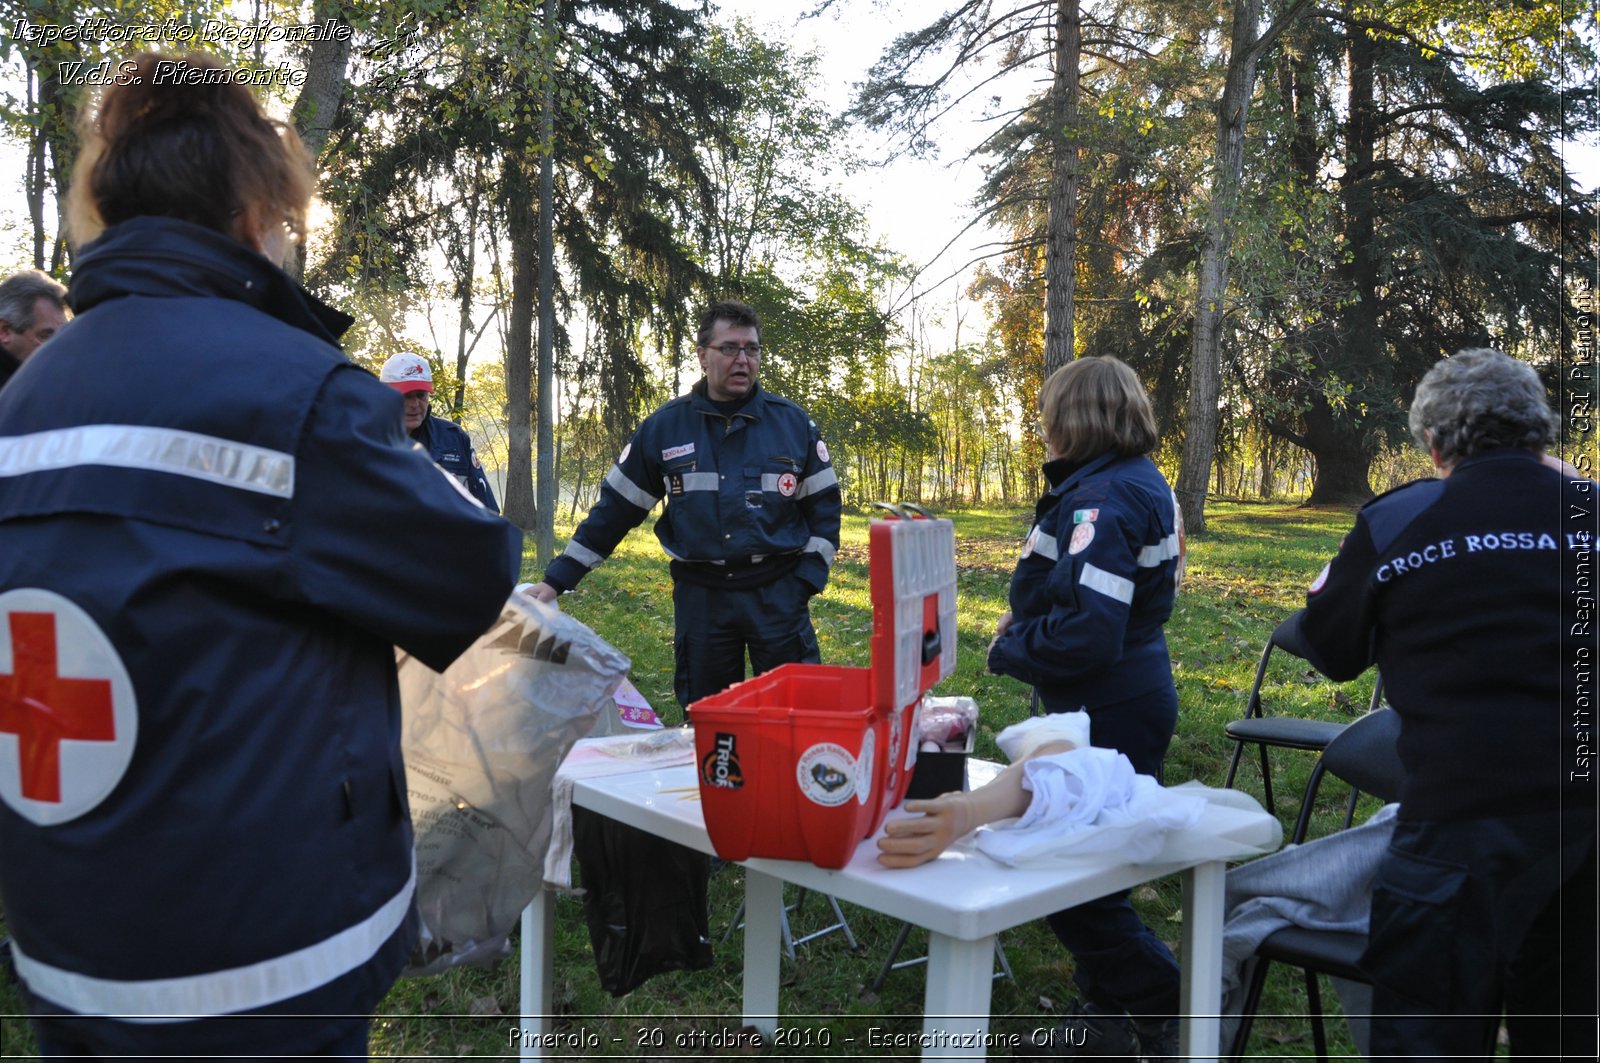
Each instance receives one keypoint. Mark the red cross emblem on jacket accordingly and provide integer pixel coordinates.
(62, 686)
(42, 708)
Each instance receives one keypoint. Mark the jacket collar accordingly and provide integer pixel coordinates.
(1064, 475)
(168, 258)
(754, 409)
(1498, 454)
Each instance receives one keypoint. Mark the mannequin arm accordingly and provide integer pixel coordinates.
(916, 840)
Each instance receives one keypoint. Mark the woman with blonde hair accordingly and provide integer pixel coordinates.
(1089, 598)
(213, 533)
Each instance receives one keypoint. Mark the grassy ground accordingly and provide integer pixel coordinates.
(1243, 577)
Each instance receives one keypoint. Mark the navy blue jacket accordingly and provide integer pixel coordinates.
(1475, 597)
(750, 497)
(451, 449)
(1095, 583)
(193, 470)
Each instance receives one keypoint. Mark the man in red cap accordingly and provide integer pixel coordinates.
(445, 441)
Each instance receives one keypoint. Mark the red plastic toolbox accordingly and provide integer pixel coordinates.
(803, 762)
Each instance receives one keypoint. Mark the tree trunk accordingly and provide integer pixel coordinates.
(1062, 237)
(1269, 468)
(1338, 438)
(34, 182)
(522, 231)
(464, 296)
(318, 104)
(1343, 460)
(544, 538)
(52, 152)
(1205, 360)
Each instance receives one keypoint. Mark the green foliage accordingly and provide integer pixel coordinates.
(423, 141)
(1452, 220)
(1402, 198)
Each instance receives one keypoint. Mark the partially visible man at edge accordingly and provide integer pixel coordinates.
(751, 521)
(33, 307)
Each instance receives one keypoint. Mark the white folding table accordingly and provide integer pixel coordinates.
(963, 899)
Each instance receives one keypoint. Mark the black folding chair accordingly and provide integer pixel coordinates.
(1264, 731)
(1365, 756)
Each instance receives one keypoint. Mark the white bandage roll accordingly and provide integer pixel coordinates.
(1020, 739)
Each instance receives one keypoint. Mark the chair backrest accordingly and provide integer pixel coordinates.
(1366, 755)
(1284, 637)
(1288, 637)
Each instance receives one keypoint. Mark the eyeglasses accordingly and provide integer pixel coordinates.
(731, 351)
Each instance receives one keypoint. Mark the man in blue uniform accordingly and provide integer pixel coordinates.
(33, 307)
(446, 442)
(752, 514)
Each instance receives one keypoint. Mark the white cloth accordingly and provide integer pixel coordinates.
(612, 755)
(1089, 801)
(1020, 739)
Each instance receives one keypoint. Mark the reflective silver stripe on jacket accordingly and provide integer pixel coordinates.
(809, 486)
(221, 992)
(1165, 550)
(697, 481)
(689, 560)
(1047, 546)
(618, 481)
(582, 554)
(201, 457)
(817, 483)
(823, 547)
(1108, 584)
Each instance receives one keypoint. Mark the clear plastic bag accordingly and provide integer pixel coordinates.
(482, 742)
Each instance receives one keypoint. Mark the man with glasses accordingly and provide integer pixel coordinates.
(752, 513)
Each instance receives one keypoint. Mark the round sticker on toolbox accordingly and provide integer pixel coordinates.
(869, 747)
(827, 773)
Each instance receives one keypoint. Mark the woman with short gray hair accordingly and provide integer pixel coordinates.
(1480, 400)
(1473, 595)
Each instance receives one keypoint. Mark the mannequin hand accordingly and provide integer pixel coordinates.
(913, 841)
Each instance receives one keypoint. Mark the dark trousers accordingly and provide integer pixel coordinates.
(254, 1037)
(1118, 962)
(1474, 916)
(716, 627)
